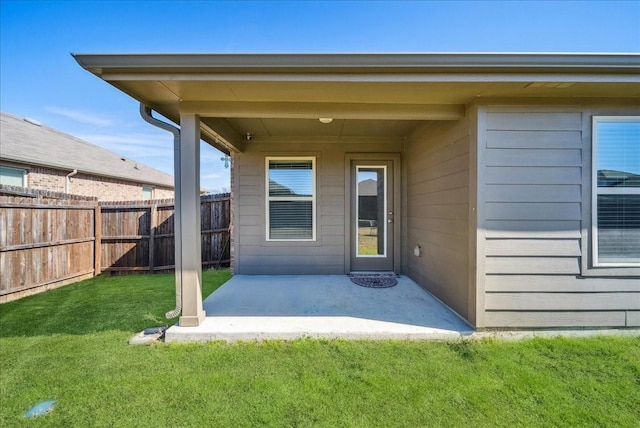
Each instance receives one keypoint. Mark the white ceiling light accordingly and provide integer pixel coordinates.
(326, 119)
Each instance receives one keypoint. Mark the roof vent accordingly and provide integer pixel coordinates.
(32, 121)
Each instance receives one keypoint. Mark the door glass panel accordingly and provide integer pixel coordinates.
(371, 211)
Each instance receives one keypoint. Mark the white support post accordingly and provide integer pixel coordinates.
(187, 226)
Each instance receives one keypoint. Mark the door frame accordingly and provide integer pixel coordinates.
(395, 249)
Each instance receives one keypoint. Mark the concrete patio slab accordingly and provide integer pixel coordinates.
(259, 307)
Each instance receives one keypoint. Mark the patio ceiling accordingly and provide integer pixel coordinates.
(338, 128)
(367, 95)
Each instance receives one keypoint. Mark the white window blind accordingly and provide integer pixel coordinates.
(291, 198)
(616, 193)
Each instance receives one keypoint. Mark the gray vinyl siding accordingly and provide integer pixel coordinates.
(325, 256)
(437, 162)
(534, 222)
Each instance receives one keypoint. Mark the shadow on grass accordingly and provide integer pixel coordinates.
(106, 303)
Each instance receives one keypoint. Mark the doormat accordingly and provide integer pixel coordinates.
(374, 280)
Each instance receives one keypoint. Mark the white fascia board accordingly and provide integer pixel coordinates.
(383, 77)
(364, 63)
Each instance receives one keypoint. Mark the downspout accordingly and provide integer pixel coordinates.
(145, 112)
(67, 180)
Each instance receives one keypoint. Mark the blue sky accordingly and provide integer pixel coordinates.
(40, 79)
(619, 147)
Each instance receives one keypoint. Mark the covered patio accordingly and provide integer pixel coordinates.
(485, 186)
(260, 307)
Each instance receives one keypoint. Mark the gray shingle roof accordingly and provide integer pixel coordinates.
(25, 142)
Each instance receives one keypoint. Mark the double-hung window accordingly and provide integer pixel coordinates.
(616, 191)
(291, 200)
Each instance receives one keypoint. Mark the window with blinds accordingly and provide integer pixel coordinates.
(616, 191)
(291, 199)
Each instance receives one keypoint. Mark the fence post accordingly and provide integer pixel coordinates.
(152, 234)
(97, 243)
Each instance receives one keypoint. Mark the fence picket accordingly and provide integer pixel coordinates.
(52, 240)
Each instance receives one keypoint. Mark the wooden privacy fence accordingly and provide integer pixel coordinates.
(44, 243)
(47, 242)
(139, 236)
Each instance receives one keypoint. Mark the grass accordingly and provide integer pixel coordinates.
(367, 241)
(70, 344)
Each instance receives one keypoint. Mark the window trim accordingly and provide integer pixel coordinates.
(313, 198)
(385, 211)
(595, 190)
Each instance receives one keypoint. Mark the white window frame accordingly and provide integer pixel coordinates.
(385, 211)
(24, 174)
(312, 198)
(595, 190)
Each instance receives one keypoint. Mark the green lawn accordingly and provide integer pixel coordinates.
(71, 345)
(367, 241)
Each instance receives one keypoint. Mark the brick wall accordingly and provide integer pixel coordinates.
(47, 196)
(103, 188)
(159, 193)
(45, 179)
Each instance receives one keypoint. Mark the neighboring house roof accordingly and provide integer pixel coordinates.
(369, 95)
(28, 142)
(368, 187)
(277, 189)
(612, 178)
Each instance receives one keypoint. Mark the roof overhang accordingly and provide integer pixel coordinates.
(233, 91)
